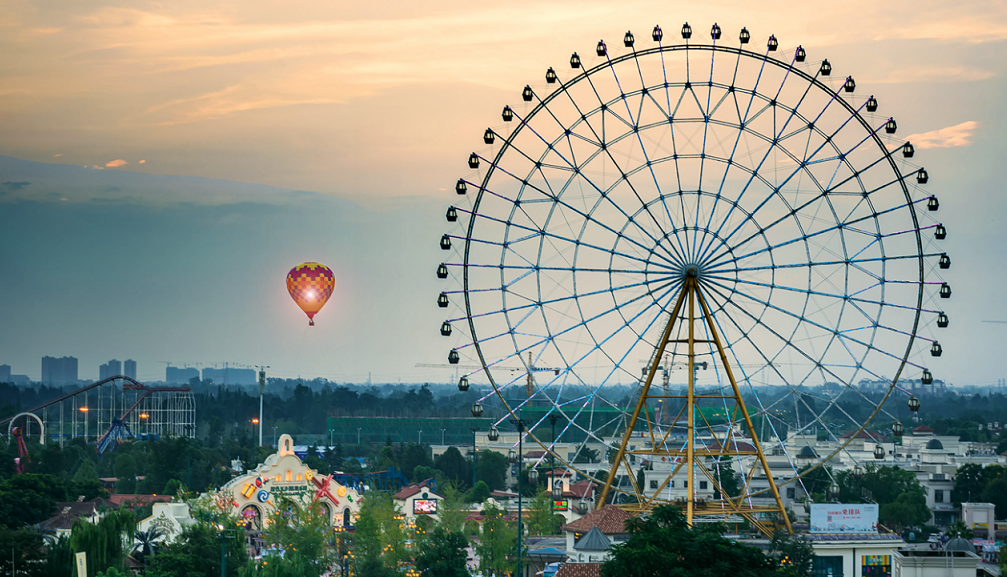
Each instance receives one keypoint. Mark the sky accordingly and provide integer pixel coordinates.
(164, 164)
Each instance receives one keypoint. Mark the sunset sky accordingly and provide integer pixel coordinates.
(351, 122)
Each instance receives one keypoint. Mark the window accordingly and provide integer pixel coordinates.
(938, 496)
(685, 484)
(791, 493)
(653, 484)
(827, 567)
(289, 475)
(671, 484)
(702, 485)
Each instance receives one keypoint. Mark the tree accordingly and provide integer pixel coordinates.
(452, 510)
(86, 473)
(479, 493)
(996, 493)
(411, 456)
(30, 498)
(444, 555)
(105, 542)
(969, 483)
(196, 551)
(794, 553)
(542, 520)
(299, 527)
(728, 481)
(368, 539)
(497, 548)
(492, 469)
(586, 455)
(125, 471)
(454, 466)
(909, 509)
(663, 544)
(960, 529)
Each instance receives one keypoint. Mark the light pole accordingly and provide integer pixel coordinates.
(223, 549)
(358, 436)
(419, 435)
(442, 436)
(330, 438)
(274, 435)
(84, 411)
(519, 459)
(552, 454)
(262, 392)
(474, 430)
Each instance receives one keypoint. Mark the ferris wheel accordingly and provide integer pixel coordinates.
(728, 227)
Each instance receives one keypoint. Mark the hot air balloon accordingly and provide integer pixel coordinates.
(310, 285)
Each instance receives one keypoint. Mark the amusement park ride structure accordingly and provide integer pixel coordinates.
(108, 411)
(705, 201)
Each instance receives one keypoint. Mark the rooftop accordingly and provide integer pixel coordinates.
(610, 520)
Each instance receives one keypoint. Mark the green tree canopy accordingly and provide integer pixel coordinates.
(497, 548)
(479, 493)
(125, 472)
(909, 509)
(454, 466)
(663, 545)
(492, 470)
(443, 555)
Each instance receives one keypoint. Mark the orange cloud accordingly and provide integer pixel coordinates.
(57, 155)
(116, 163)
(957, 135)
(143, 162)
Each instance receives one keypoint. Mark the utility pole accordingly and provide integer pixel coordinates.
(262, 392)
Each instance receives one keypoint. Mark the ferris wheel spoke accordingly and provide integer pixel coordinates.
(777, 133)
(557, 200)
(533, 233)
(536, 303)
(809, 321)
(632, 126)
(803, 166)
(580, 173)
(839, 226)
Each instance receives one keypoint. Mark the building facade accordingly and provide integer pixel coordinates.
(129, 368)
(59, 371)
(253, 495)
(110, 369)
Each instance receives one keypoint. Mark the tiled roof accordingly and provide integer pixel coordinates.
(922, 429)
(579, 570)
(581, 489)
(412, 489)
(864, 435)
(609, 520)
(593, 541)
(68, 512)
(121, 499)
(502, 495)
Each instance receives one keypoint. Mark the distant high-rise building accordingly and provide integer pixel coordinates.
(62, 371)
(4, 373)
(230, 376)
(180, 376)
(110, 369)
(129, 368)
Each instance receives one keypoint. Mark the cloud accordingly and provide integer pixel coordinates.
(116, 163)
(957, 135)
(14, 185)
(143, 162)
(57, 155)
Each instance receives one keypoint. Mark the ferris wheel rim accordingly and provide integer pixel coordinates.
(636, 54)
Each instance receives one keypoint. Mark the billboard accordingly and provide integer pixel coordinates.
(425, 506)
(844, 518)
(560, 504)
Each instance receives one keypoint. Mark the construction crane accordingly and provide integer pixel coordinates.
(531, 368)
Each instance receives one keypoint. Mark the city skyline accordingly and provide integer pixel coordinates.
(216, 161)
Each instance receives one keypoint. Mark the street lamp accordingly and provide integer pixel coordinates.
(224, 536)
(358, 436)
(419, 435)
(84, 410)
(474, 430)
(442, 436)
(519, 459)
(274, 435)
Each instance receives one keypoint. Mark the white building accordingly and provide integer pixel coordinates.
(252, 495)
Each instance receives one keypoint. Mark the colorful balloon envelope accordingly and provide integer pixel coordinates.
(310, 285)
